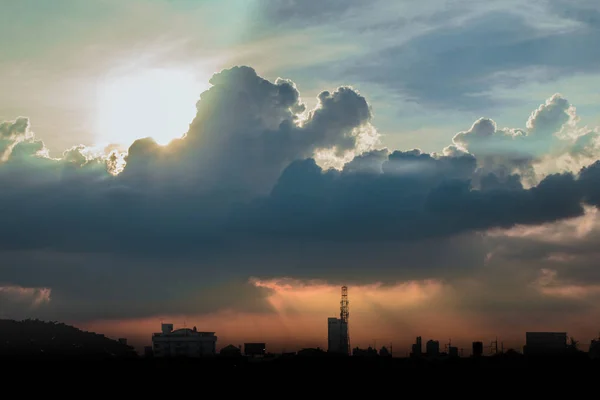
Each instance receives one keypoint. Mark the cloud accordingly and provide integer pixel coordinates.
(260, 186)
(550, 132)
(552, 141)
(416, 196)
(294, 12)
(248, 129)
(567, 248)
(585, 11)
(457, 62)
(11, 133)
(15, 299)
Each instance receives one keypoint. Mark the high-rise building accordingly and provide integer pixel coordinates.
(417, 348)
(337, 330)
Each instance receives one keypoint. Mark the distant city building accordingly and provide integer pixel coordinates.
(337, 336)
(310, 352)
(384, 352)
(477, 349)
(545, 343)
(594, 351)
(231, 351)
(432, 348)
(452, 351)
(183, 342)
(358, 352)
(255, 349)
(417, 348)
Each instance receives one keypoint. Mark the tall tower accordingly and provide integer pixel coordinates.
(344, 314)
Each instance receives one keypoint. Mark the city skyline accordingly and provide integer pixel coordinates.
(338, 340)
(420, 346)
(233, 163)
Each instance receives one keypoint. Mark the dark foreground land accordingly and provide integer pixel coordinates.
(304, 363)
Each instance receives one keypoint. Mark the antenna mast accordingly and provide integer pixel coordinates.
(344, 314)
(494, 346)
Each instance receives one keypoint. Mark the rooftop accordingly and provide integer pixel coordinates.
(184, 332)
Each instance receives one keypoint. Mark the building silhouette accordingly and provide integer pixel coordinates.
(311, 352)
(230, 351)
(477, 349)
(452, 351)
(183, 342)
(545, 343)
(432, 347)
(594, 350)
(255, 349)
(368, 352)
(417, 348)
(336, 332)
(384, 352)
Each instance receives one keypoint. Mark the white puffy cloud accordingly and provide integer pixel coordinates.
(551, 142)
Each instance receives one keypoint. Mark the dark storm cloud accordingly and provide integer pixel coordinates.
(89, 286)
(574, 259)
(184, 225)
(416, 197)
(455, 66)
(549, 272)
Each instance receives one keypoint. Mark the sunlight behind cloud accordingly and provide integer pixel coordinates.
(157, 103)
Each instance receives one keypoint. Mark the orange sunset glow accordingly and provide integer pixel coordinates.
(380, 315)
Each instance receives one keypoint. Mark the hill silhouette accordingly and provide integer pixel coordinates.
(54, 339)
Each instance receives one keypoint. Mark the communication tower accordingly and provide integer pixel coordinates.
(344, 315)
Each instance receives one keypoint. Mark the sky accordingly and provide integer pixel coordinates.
(230, 164)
